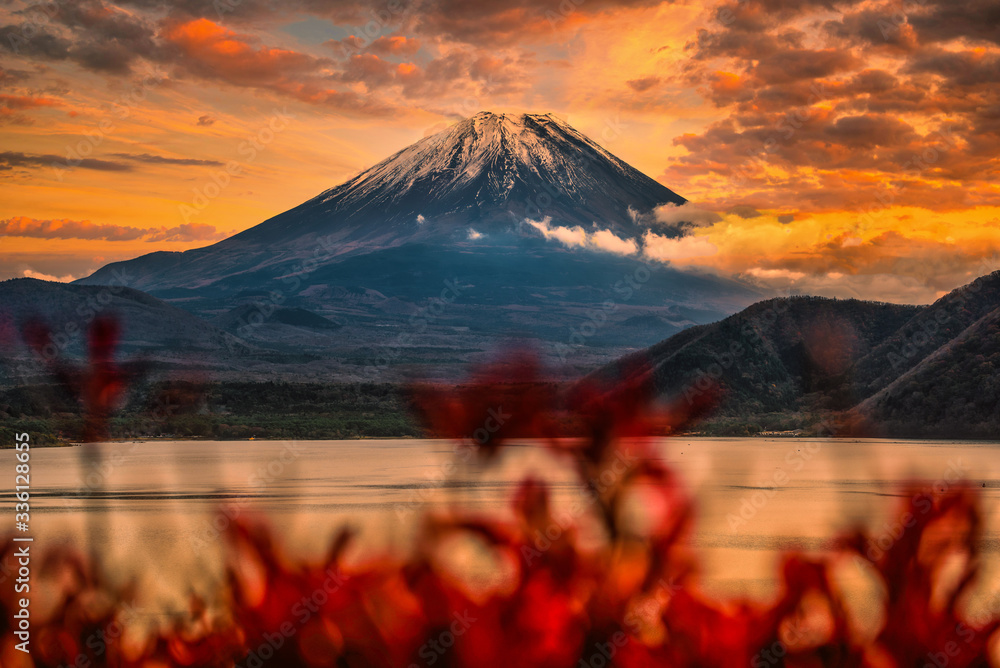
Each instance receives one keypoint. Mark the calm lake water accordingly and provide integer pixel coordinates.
(153, 508)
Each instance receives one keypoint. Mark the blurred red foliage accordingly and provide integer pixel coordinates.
(100, 385)
(633, 600)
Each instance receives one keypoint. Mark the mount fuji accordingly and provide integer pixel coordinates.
(472, 207)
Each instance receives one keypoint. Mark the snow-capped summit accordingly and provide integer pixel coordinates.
(486, 170)
(487, 159)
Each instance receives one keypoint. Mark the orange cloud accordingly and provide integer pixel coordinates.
(211, 51)
(28, 102)
(387, 45)
(22, 226)
(904, 257)
(11, 107)
(727, 87)
(664, 248)
(395, 45)
(920, 269)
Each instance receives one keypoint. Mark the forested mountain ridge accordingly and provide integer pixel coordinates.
(862, 367)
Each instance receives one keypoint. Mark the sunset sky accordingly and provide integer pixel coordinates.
(837, 148)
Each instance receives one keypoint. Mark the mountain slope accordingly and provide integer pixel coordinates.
(883, 369)
(780, 354)
(955, 390)
(926, 332)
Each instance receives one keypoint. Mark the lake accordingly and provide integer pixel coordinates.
(154, 509)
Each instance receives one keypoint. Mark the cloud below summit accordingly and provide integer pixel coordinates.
(577, 237)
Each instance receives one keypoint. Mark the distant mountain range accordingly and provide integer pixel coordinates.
(845, 366)
(439, 254)
(162, 335)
